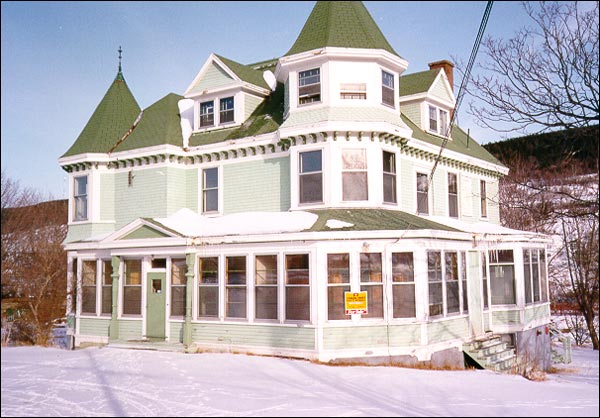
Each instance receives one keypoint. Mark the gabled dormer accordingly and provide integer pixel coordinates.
(223, 95)
(427, 97)
(340, 60)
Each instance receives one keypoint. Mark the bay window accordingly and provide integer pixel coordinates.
(80, 198)
(502, 277)
(387, 88)
(310, 177)
(309, 86)
(338, 282)
(354, 175)
(389, 177)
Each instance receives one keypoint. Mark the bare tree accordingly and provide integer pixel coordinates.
(33, 263)
(545, 76)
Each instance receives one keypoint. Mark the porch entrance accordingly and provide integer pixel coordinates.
(155, 306)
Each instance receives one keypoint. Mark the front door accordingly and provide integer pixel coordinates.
(155, 307)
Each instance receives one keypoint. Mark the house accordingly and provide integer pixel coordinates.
(288, 207)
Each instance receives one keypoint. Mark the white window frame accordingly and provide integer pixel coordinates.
(391, 174)
(204, 189)
(201, 115)
(453, 195)
(298, 174)
(353, 91)
(364, 170)
(483, 206)
(80, 198)
(301, 78)
(221, 110)
(385, 87)
(417, 175)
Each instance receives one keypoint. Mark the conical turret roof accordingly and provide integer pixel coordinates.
(344, 24)
(113, 117)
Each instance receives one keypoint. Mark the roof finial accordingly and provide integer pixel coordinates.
(120, 50)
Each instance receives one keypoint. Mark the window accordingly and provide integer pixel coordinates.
(178, 285)
(444, 123)
(207, 114)
(310, 177)
(354, 175)
(353, 91)
(106, 287)
(80, 198)
(210, 190)
(208, 287)
(434, 274)
(502, 277)
(403, 285)
(338, 282)
(452, 195)
(451, 282)
(463, 278)
(132, 288)
(482, 198)
(297, 290)
(484, 278)
(422, 194)
(371, 282)
(433, 122)
(389, 177)
(309, 86)
(387, 88)
(534, 269)
(226, 113)
(235, 287)
(266, 286)
(544, 275)
(88, 287)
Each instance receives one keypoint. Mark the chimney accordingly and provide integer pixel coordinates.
(447, 66)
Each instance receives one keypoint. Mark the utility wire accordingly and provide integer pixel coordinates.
(463, 84)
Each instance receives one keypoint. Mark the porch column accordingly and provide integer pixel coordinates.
(113, 328)
(189, 293)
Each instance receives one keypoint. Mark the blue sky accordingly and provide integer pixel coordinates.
(59, 59)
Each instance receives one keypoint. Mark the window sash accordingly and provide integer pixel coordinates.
(355, 186)
(422, 194)
(106, 287)
(389, 177)
(297, 289)
(433, 123)
(444, 123)
(226, 113)
(502, 277)
(452, 195)
(266, 306)
(235, 287)
(207, 114)
(310, 177)
(80, 198)
(178, 287)
(309, 86)
(483, 198)
(387, 88)
(338, 282)
(210, 190)
(434, 274)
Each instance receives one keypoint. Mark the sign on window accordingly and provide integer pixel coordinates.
(355, 303)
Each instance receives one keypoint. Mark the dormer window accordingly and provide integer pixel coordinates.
(309, 86)
(226, 110)
(438, 121)
(387, 88)
(357, 91)
(80, 199)
(207, 114)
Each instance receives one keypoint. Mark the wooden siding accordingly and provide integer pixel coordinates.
(176, 332)
(537, 312)
(130, 329)
(447, 329)
(251, 102)
(466, 197)
(407, 185)
(260, 185)
(254, 335)
(355, 337)
(145, 232)
(191, 186)
(213, 77)
(493, 199)
(94, 326)
(412, 111)
(438, 90)
(506, 317)
(440, 193)
(107, 197)
(83, 231)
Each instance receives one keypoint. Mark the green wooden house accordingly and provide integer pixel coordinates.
(290, 207)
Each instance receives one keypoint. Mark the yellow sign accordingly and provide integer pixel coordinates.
(355, 303)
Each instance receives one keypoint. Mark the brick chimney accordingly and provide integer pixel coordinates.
(448, 68)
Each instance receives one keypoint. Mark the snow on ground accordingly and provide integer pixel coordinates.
(123, 382)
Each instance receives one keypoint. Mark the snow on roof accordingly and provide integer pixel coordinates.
(479, 227)
(335, 224)
(191, 224)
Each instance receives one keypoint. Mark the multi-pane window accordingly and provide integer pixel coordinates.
(207, 114)
(338, 282)
(389, 177)
(297, 289)
(434, 274)
(483, 198)
(310, 177)
(88, 287)
(502, 277)
(235, 287)
(132, 287)
(534, 268)
(356, 91)
(354, 175)
(80, 198)
(387, 88)
(226, 110)
(484, 279)
(266, 286)
(451, 282)
(403, 285)
(178, 282)
(422, 194)
(309, 86)
(452, 195)
(463, 279)
(371, 281)
(433, 121)
(210, 190)
(444, 123)
(208, 287)
(106, 287)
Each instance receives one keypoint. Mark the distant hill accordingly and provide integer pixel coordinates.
(52, 211)
(550, 149)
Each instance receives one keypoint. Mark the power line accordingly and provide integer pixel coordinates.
(463, 84)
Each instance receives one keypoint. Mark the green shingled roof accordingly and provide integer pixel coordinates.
(267, 117)
(112, 118)
(373, 220)
(344, 24)
(160, 124)
(417, 82)
(245, 72)
(459, 142)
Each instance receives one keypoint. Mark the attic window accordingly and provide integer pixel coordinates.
(309, 86)
(353, 91)
(207, 114)
(226, 110)
(438, 120)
